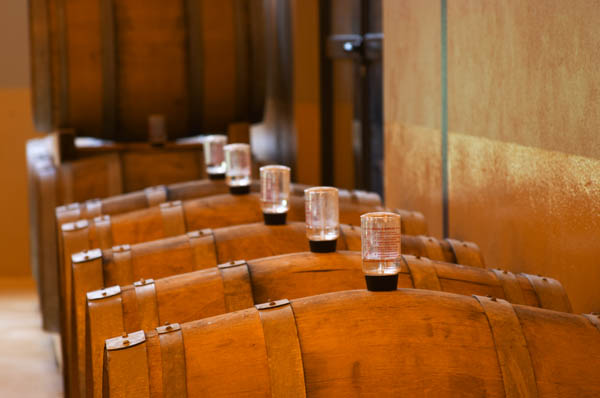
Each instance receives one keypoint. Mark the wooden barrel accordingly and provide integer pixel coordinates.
(168, 220)
(153, 196)
(232, 287)
(96, 171)
(122, 265)
(103, 67)
(176, 218)
(410, 342)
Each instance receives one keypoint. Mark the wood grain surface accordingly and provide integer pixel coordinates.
(273, 278)
(192, 252)
(408, 342)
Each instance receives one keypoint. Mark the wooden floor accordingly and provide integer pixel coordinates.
(27, 362)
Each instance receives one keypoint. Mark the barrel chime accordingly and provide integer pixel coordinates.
(169, 272)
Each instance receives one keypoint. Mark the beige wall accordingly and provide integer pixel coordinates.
(15, 128)
(523, 152)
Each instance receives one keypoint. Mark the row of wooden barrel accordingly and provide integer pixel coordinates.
(175, 218)
(242, 239)
(138, 312)
(178, 263)
(357, 343)
(555, 298)
(122, 265)
(171, 219)
(66, 192)
(108, 169)
(237, 285)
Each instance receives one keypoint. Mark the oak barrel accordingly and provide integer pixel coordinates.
(153, 196)
(173, 218)
(231, 287)
(104, 66)
(122, 265)
(409, 342)
(95, 269)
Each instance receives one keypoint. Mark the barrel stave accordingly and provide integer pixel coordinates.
(561, 346)
(124, 203)
(304, 274)
(219, 340)
(197, 189)
(203, 289)
(388, 345)
(528, 292)
(222, 210)
(137, 226)
(253, 240)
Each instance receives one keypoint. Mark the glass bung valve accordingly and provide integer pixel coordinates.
(274, 193)
(322, 218)
(381, 239)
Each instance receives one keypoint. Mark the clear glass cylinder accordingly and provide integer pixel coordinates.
(321, 206)
(237, 157)
(381, 238)
(274, 189)
(214, 154)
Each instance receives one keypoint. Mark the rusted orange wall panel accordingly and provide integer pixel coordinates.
(526, 71)
(530, 84)
(524, 157)
(412, 62)
(530, 210)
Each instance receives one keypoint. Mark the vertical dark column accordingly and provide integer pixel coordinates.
(195, 75)
(326, 97)
(62, 86)
(242, 47)
(444, 69)
(109, 68)
(257, 59)
(372, 88)
(41, 69)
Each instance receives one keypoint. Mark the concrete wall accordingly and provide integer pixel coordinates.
(15, 128)
(523, 148)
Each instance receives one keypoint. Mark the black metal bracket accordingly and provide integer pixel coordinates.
(360, 47)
